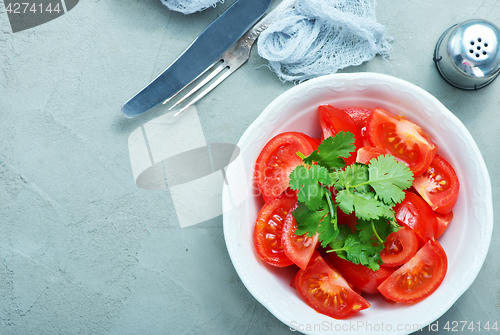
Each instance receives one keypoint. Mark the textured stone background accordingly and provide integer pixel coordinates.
(83, 250)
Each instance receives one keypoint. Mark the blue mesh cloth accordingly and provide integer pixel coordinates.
(189, 6)
(320, 37)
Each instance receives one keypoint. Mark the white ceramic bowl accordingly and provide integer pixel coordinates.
(296, 110)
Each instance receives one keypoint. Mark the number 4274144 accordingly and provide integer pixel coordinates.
(461, 326)
(26, 7)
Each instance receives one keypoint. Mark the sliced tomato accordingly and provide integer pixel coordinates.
(401, 138)
(365, 154)
(419, 277)
(438, 185)
(278, 159)
(359, 275)
(269, 229)
(443, 220)
(399, 247)
(359, 115)
(415, 213)
(316, 142)
(333, 121)
(324, 289)
(298, 249)
(292, 282)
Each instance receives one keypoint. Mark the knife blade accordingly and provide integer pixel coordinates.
(206, 49)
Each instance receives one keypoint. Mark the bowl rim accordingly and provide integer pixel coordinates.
(324, 81)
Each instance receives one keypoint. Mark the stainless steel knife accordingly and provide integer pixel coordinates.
(206, 49)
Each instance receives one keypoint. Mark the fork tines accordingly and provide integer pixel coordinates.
(206, 77)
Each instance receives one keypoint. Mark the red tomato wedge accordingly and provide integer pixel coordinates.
(269, 230)
(400, 247)
(419, 277)
(358, 275)
(443, 220)
(278, 159)
(365, 154)
(292, 282)
(298, 249)
(333, 121)
(401, 138)
(415, 213)
(324, 289)
(438, 185)
(359, 115)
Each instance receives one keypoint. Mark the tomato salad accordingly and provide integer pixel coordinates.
(358, 211)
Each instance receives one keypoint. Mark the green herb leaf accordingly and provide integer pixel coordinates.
(338, 243)
(353, 175)
(332, 150)
(309, 181)
(308, 220)
(358, 252)
(364, 205)
(389, 178)
(328, 229)
(365, 230)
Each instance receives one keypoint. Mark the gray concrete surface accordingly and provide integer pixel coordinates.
(83, 250)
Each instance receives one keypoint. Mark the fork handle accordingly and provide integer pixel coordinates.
(251, 36)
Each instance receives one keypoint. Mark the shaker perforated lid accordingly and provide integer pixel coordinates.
(468, 54)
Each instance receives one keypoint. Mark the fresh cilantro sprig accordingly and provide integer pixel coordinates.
(370, 191)
(332, 150)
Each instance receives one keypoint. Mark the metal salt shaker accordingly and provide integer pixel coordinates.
(467, 55)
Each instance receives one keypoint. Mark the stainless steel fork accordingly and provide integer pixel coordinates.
(230, 61)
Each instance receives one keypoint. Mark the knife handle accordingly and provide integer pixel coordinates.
(204, 51)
